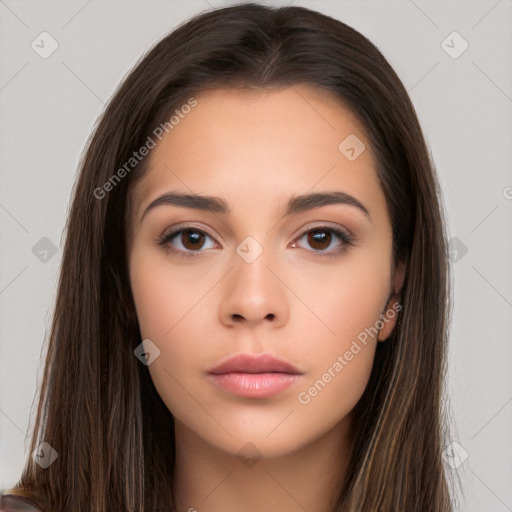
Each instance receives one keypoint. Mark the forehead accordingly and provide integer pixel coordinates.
(252, 144)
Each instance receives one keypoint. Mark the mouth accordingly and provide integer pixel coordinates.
(253, 376)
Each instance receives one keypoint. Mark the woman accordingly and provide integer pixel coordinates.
(252, 308)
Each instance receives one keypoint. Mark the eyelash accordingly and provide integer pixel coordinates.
(347, 240)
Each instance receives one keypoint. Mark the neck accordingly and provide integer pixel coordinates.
(209, 479)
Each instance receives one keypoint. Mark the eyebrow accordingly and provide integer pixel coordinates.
(296, 204)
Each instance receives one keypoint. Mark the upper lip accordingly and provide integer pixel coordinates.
(250, 363)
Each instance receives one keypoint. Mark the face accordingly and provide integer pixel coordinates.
(305, 282)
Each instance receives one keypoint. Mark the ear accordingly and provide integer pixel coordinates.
(390, 314)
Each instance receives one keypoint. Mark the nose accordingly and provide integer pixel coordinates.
(254, 294)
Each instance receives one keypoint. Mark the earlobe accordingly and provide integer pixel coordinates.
(389, 318)
(390, 314)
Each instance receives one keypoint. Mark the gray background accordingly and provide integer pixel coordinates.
(48, 109)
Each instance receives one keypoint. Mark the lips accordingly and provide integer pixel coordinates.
(251, 376)
(246, 363)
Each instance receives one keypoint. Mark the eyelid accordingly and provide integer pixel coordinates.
(179, 227)
(323, 224)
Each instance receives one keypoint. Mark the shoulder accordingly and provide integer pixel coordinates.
(16, 503)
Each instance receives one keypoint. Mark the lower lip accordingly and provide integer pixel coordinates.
(254, 385)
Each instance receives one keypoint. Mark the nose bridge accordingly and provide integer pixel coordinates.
(251, 269)
(253, 292)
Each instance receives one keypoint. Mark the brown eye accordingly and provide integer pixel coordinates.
(186, 241)
(192, 239)
(319, 239)
(322, 241)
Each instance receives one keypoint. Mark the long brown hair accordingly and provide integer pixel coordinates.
(98, 408)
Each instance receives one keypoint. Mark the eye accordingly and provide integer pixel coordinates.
(321, 238)
(185, 240)
(189, 241)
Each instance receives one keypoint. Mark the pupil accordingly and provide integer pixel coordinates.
(192, 238)
(319, 237)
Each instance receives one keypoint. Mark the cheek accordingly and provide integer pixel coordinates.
(330, 394)
(170, 303)
(165, 295)
(348, 300)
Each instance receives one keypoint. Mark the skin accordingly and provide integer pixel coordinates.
(256, 149)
